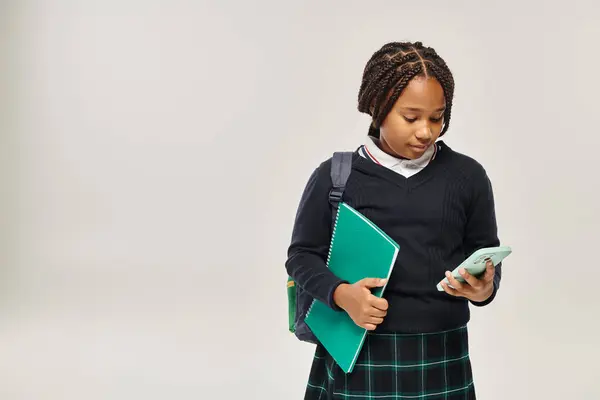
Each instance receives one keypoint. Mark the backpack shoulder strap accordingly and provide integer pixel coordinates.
(341, 166)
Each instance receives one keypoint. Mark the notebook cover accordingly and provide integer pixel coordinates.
(359, 249)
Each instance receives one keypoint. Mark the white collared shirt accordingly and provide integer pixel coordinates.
(407, 168)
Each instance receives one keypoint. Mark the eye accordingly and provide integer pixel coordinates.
(436, 120)
(410, 120)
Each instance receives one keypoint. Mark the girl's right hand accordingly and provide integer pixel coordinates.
(365, 309)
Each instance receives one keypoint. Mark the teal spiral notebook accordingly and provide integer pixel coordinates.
(358, 249)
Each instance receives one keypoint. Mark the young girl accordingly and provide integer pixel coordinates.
(437, 204)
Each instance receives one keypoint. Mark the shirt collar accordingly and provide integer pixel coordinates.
(389, 161)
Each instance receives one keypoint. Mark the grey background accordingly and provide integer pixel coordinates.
(144, 228)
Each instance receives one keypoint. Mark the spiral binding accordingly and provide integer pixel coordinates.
(312, 303)
(337, 216)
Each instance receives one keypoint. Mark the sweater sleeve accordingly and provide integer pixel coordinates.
(309, 248)
(481, 230)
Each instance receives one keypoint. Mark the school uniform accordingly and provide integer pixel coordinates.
(439, 208)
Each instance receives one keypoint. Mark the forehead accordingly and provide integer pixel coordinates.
(423, 93)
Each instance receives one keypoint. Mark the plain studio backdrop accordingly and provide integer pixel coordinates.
(153, 155)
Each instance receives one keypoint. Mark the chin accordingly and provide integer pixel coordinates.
(416, 152)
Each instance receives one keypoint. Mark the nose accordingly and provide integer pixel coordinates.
(424, 133)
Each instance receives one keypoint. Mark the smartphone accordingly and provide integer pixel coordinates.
(475, 264)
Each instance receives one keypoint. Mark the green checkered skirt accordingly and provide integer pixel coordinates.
(392, 366)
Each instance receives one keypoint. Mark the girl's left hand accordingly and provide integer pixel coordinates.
(474, 289)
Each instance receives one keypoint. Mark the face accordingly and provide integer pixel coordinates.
(416, 120)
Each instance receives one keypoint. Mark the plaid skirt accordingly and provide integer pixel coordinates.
(398, 366)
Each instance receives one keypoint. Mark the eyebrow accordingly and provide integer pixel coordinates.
(417, 109)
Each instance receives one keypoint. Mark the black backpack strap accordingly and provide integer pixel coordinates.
(341, 166)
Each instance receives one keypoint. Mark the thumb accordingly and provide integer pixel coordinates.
(490, 270)
(372, 282)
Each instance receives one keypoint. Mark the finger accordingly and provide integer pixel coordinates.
(471, 280)
(458, 286)
(372, 282)
(490, 270)
(374, 320)
(375, 312)
(450, 291)
(379, 302)
(369, 327)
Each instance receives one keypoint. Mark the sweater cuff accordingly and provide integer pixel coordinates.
(330, 301)
(489, 299)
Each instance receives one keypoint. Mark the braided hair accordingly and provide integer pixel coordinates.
(389, 71)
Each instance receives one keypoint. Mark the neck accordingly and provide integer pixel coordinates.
(383, 145)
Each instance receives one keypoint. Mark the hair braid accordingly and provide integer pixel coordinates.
(389, 71)
(370, 87)
(397, 88)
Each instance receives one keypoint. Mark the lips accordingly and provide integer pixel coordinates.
(421, 148)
